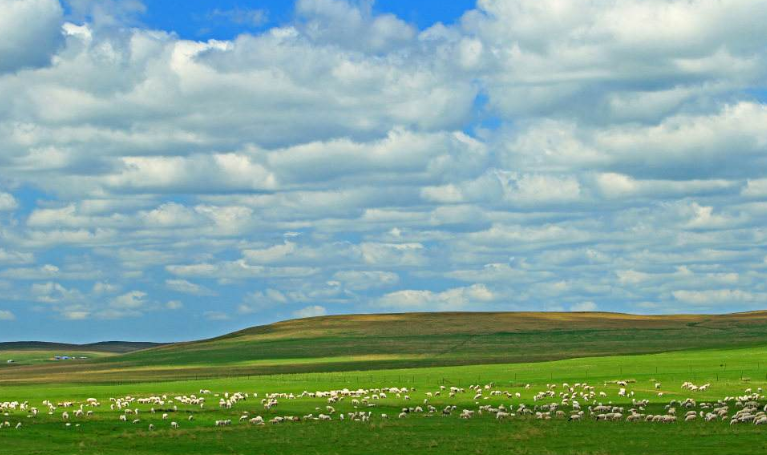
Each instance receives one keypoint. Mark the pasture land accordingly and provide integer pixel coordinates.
(375, 342)
(36, 357)
(729, 372)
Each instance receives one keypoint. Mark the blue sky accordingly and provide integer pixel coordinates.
(175, 170)
(195, 19)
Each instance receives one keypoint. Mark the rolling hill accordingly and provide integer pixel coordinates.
(361, 342)
(116, 347)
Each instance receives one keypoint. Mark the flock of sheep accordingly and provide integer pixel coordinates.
(573, 403)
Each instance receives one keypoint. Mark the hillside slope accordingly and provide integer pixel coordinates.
(358, 342)
(117, 347)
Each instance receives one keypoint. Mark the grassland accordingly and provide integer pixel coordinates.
(36, 357)
(421, 352)
(369, 342)
(729, 371)
(116, 347)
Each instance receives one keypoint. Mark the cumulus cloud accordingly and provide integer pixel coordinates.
(727, 143)
(187, 287)
(452, 299)
(343, 23)
(719, 296)
(310, 311)
(7, 202)
(132, 300)
(15, 257)
(535, 154)
(360, 280)
(30, 33)
(6, 315)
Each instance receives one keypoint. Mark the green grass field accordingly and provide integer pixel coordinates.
(36, 357)
(374, 342)
(739, 364)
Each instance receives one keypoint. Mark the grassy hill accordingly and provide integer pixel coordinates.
(40, 352)
(363, 342)
(117, 347)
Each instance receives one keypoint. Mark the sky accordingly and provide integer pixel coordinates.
(173, 170)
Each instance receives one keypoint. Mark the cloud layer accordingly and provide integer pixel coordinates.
(533, 155)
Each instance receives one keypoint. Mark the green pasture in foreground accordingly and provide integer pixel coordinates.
(729, 371)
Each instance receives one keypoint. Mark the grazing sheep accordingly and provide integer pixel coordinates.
(256, 420)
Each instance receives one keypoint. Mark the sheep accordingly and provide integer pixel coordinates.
(174, 425)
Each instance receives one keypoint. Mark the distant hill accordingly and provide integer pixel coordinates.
(117, 347)
(361, 342)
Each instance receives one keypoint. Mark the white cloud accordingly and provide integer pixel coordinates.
(360, 280)
(584, 306)
(216, 316)
(498, 272)
(719, 297)
(7, 202)
(76, 315)
(188, 287)
(725, 143)
(605, 162)
(755, 188)
(7, 316)
(310, 311)
(15, 257)
(241, 16)
(237, 270)
(133, 300)
(52, 292)
(340, 22)
(30, 32)
(174, 305)
(554, 58)
(393, 254)
(451, 299)
(41, 273)
(100, 288)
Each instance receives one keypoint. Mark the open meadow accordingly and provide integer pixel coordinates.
(704, 400)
